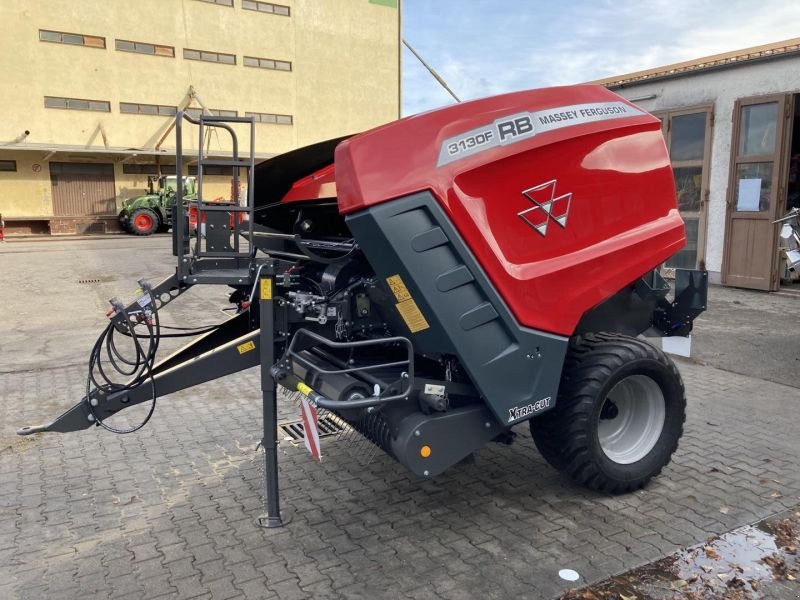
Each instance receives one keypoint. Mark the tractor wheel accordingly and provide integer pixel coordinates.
(143, 221)
(123, 221)
(619, 416)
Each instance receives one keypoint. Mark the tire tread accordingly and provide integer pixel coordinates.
(561, 434)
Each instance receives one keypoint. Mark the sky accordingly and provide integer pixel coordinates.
(487, 47)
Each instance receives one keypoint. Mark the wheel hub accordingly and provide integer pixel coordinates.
(631, 419)
(143, 222)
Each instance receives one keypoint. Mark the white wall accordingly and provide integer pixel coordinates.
(721, 89)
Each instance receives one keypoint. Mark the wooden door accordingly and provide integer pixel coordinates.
(755, 191)
(82, 189)
(687, 133)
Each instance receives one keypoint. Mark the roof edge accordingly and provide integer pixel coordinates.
(706, 63)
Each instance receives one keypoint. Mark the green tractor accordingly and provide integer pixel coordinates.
(152, 212)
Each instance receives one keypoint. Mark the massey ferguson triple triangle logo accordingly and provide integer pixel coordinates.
(547, 207)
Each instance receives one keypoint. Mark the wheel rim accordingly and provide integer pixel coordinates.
(143, 222)
(631, 419)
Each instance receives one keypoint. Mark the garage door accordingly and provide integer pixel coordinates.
(81, 189)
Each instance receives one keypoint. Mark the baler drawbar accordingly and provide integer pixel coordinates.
(435, 282)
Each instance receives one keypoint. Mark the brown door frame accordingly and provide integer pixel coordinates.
(780, 161)
(666, 129)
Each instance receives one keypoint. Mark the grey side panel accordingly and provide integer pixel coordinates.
(516, 369)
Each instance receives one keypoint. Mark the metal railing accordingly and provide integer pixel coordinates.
(222, 251)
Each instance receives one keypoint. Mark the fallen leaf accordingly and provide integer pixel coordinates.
(790, 549)
(624, 597)
(755, 584)
(775, 494)
(736, 583)
(678, 584)
(722, 575)
(724, 510)
(692, 578)
(707, 568)
(711, 553)
(791, 577)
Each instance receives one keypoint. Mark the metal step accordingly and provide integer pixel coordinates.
(221, 276)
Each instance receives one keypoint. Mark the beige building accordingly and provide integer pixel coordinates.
(91, 89)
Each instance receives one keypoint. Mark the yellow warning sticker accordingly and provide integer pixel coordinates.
(266, 289)
(412, 315)
(246, 347)
(398, 288)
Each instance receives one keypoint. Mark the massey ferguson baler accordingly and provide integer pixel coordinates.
(435, 282)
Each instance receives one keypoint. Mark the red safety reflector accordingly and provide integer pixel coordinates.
(310, 427)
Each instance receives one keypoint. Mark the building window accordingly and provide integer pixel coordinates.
(148, 109)
(215, 57)
(267, 63)
(220, 2)
(8, 165)
(216, 112)
(271, 118)
(266, 7)
(75, 39)
(77, 104)
(133, 169)
(144, 48)
(212, 170)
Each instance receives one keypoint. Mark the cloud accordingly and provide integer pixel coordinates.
(486, 47)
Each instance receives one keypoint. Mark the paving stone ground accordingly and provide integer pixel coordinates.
(169, 512)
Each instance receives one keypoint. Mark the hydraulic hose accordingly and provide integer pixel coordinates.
(138, 369)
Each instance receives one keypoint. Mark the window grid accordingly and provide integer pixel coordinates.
(145, 48)
(148, 109)
(220, 2)
(212, 170)
(271, 118)
(77, 104)
(267, 63)
(206, 56)
(217, 112)
(8, 165)
(73, 39)
(147, 169)
(266, 7)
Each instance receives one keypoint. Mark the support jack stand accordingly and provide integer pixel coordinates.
(272, 518)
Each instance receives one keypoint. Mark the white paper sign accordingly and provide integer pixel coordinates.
(749, 195)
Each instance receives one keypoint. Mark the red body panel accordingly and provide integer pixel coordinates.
(622, 215)
(320, 184)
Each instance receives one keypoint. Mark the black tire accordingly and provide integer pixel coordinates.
(567, 435)
(123, 221)
(143, 221)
